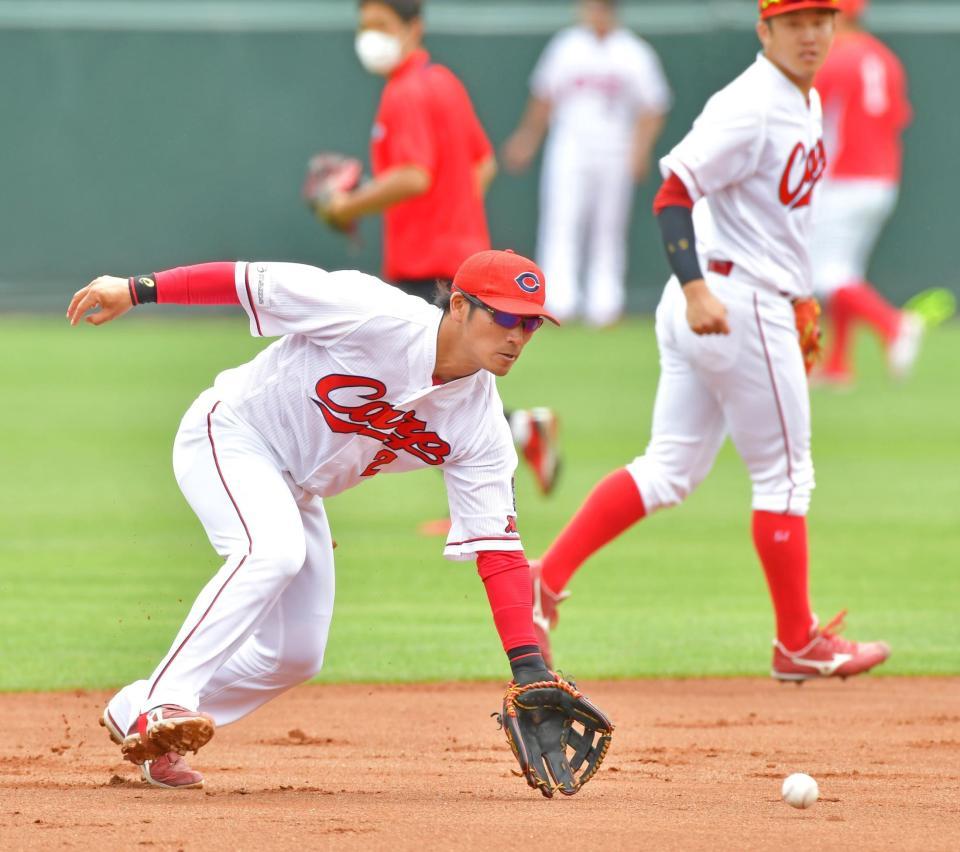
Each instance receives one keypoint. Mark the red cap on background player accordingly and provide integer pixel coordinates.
(505, 281)
(770, 8)
(853, 8)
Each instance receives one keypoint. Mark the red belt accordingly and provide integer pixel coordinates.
(720, 267)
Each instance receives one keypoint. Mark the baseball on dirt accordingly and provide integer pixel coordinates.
(799, 790)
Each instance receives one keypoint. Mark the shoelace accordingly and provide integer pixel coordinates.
(834, 626)
(831, 632)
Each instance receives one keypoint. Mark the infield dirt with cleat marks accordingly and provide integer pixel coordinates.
(695, 764)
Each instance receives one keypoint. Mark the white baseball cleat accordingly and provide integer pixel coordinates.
(903, 350)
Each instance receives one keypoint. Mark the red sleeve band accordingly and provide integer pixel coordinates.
(672, 193)
(202, 284)
(506, 576)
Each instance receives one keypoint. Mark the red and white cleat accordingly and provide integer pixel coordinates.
(827, 655)
(170, 727)
(134, 749)
(171, 772)
(536, 431)
(545, 615)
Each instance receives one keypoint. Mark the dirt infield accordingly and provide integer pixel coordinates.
(695, 764)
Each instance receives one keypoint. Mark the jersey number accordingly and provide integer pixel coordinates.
(379, 460)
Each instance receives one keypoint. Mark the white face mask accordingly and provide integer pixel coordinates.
(378, 52)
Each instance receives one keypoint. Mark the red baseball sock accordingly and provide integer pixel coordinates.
(613, 506)
(840, 314)
(858, 301)
(781, 543)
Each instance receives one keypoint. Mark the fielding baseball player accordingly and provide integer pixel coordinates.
(733, 327)
(363, 380)
(603, 93)
(432, 164)
(864, 91)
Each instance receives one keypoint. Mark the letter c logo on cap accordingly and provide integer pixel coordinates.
(528, 282)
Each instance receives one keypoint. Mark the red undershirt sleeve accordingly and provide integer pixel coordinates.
(672, 193)
(202, 284)
(506, 577)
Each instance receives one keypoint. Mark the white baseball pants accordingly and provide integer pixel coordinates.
(848, 218)
(585, 205)
(749, 384)
(260, 625)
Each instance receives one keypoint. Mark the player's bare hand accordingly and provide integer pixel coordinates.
(334, 213)
(518, 151)
(706, 314)
(640, 168)
(108, 293)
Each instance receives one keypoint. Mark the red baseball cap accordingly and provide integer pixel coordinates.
(771, 8)
(506, 281)
(853, 8)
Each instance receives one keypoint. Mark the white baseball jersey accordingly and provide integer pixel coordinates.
(598, 86)
(348, 393)
(756, 154)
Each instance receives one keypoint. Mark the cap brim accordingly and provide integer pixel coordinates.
(775, 11)
(520, 307)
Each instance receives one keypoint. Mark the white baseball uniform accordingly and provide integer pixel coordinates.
(751, 162)
(597, 87)
(345, 394)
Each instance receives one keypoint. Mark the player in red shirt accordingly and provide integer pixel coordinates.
(432, 164)
(864, 92)
(431, 160)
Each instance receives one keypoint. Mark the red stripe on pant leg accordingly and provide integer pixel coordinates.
(216, 461)
(776, 397)
(233, 573)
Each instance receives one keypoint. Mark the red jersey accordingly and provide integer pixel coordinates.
(426, 119)
(865, 108)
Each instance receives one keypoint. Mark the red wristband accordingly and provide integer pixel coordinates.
(202, 284)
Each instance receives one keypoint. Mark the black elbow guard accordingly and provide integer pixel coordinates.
(676, 229)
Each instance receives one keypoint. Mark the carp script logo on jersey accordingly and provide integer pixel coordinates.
(398, 431)
(801, 174)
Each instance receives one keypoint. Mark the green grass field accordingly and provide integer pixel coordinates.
(100, 556)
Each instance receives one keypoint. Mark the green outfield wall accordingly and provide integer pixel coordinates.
(140, 135)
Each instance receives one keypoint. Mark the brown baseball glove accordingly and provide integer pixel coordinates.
(807, 314)
(538, 720)
(329, 174)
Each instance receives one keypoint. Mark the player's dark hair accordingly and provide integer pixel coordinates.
(408, 10)
(441, 297)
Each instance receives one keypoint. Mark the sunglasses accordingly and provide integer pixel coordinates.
(502, 318)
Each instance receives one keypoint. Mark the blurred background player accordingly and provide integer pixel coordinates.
(863, 88)
(728, 339)
(602, 92)
(432, 164)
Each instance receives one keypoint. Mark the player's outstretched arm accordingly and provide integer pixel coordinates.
(202, 284)
(108, 293)
(540, 707)
(522, 146)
